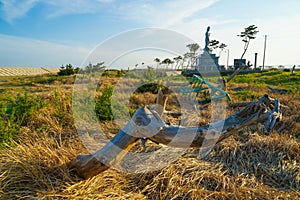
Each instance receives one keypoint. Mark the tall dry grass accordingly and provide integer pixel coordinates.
(249, 165)
(263, 167)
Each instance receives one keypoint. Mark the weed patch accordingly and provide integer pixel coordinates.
(17, 112)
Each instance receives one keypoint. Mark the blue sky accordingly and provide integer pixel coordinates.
(49, 33)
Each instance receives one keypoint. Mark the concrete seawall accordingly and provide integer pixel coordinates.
(17, 71)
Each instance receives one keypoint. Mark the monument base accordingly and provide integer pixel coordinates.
(207, 62)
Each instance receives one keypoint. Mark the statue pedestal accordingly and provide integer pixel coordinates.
(207, 62)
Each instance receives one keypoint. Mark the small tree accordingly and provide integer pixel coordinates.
(157, 60)
(222, 46)
(247, 36)
(177, 59)
(193, 48)
(68, 70)
(215, 44)
(90, 68)
(167, 62)
(186, 58)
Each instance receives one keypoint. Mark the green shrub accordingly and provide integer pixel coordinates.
(68, 70)
(153, 88)
(16, 112)
(150, 87)
(48, 79)
(246, 95)
(121, 73)
(113, 73)
(107, 108)
(103, 105)
(106, 73)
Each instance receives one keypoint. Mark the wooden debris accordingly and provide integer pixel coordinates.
(147, 123)
(277, 90)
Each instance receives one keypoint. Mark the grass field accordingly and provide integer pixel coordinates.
(38, 138)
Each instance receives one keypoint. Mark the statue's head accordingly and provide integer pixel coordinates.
(208, 28)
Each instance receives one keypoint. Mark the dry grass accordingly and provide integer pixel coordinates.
(262, 167)
(249, 165)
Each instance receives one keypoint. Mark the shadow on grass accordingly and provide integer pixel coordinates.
(271, 160)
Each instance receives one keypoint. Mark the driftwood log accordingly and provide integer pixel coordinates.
(277, 90)
(147, 123)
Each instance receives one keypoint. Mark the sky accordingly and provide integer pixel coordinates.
(49, 33)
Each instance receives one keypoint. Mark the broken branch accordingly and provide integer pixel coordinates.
(147, 123)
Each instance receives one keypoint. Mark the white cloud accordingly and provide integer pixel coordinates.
(124, 50)
(163, 14)
(105, 1)
(24, 52)
(64, 7)
(282, 43)
(150, 13)
(177, 15)
(139, 45)
(14, 9)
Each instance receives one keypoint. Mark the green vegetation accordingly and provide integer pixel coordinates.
(103, 105)
(93, 68)
(17, 112)
(68, 70)
(246, 95)
(114, 73)
(107, 108)
(18, 109)
(39, 139)
(274, 78)
(148, 87)
(247, 35)
(38, 79)
(50, 79)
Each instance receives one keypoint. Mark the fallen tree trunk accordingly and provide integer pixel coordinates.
(147, 123)
(277, 90)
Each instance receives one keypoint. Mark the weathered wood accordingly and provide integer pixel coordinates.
(277, 90)
(273, 116)
(147, 123)
(90, 165)
(209, 135)
(143, 124)
(239, 104)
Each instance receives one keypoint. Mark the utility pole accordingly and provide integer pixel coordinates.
(265, 46)
(255, 61)
(227, 59)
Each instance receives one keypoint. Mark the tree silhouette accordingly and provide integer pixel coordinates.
(157, 60)
(193, 48)
(68, 70)
(167, 62)
(177, 60)
(247, 36)
(213, 44)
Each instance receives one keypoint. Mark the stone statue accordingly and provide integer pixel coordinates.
(207, 39)
(293, 69)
